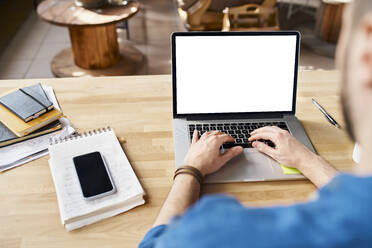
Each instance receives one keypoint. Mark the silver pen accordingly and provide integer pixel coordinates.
(328, 116)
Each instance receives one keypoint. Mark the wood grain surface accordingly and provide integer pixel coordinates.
(94, 47)
(130, 61)
(139, 108)
(329, 20)
(66, 13)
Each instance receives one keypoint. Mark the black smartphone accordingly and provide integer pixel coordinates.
(94, 176)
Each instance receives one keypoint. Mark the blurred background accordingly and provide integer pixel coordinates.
(30, 40)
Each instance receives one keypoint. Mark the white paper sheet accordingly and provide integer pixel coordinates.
(93, 219)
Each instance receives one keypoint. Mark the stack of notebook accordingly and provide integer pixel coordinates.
(26, 113)
(75, 211)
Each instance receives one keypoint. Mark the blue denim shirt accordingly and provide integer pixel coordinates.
(340, 217)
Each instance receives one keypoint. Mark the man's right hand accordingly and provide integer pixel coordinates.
(290, 152)
(287, 151)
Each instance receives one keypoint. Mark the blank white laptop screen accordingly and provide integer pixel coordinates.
(225, 74)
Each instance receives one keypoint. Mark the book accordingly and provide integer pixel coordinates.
(21, 128)
(75, 211)
(36, 92)
(28, 102)
(22, 105)
(7, 137)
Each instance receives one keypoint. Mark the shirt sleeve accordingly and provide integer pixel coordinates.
(151, 237)
(163, 235)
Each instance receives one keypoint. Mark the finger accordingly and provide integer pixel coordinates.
(223, 138)
(195, 136)
(266, 136)
(218, 132)
(231, 153)
(222, 133)
(262, 147)
(206, 134)
(265, 129)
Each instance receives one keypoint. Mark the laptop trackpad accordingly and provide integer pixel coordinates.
(251, 165)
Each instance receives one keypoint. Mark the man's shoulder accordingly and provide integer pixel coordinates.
(349, 186)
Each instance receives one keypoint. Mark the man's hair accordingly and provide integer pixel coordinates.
(359, 9)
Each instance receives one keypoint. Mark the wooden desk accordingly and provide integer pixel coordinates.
(139, 108)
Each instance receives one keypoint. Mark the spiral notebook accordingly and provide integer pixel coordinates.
(75, 211)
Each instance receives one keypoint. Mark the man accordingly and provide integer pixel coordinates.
(341, 216)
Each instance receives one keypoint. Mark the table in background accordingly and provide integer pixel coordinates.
(329, 20)
(95, 48)
(139, 108)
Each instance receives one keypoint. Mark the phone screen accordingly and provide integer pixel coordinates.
(93, 175)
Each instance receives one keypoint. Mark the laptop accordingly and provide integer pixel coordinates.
(236, 82)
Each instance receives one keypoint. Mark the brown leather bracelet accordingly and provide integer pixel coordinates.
(191, 171)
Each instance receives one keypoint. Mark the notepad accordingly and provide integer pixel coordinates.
(75, 211)
(289, 170)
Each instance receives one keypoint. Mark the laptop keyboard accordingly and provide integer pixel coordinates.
(239, 130)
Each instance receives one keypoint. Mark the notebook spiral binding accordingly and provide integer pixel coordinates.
(55, 141)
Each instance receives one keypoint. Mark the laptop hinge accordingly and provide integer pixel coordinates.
(235, 116)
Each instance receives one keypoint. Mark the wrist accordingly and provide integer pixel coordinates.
(186, 178)
(309, 163)
(304, 165)
(200, 169)
(197, 166)
(190, 170)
